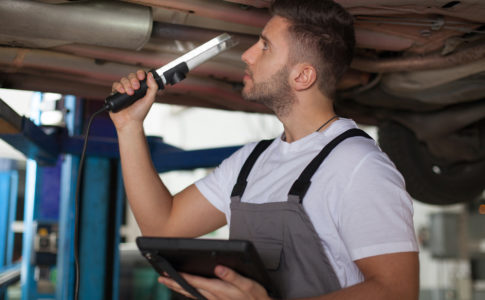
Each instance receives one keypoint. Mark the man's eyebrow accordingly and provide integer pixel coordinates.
(264, 38)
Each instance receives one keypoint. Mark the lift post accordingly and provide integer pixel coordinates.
(70, 166)
(9, 270)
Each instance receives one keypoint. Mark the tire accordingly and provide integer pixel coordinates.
(428, 178)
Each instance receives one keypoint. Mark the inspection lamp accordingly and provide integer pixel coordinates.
(174, 71)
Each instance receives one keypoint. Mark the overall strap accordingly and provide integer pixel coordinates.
(301, 185)
(241, 182)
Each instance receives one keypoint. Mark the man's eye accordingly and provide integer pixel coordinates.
(265, 46)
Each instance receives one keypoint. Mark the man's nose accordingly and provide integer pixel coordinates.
(248, 55)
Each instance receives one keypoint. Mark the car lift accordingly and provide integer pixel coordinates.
(51, 170)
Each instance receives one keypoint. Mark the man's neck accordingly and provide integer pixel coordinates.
(297, 125)
(308, 113)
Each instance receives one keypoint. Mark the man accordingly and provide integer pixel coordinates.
(343, 230)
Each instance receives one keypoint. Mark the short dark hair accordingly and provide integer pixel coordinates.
(323, 35)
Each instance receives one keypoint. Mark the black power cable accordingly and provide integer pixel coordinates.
(77, 206)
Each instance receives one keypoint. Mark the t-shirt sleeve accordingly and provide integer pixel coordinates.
(376, 216)
(217, 186)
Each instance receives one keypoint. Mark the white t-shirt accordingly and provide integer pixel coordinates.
(357, 201)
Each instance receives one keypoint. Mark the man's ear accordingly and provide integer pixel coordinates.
(303, 76)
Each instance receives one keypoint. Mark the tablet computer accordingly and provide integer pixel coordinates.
(201, 256)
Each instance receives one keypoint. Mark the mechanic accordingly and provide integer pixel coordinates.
(340, 227)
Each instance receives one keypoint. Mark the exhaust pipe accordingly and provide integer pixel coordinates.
(106, 23)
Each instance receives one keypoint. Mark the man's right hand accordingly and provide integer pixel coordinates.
(135, 113)
(154, 207)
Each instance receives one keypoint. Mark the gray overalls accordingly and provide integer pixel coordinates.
(283, 233)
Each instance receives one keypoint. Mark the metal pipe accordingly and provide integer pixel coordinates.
(214, 9)
(199, 92)
(371, 39)
(111, 23)
(434, 61)
(415, 81)
(190, 33)
(442, 123)
(17, 59)
(82, 76)
(218, 68)
(255, 3)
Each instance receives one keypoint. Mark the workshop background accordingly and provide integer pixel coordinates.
(417, 85)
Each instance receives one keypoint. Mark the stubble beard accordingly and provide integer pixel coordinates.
(275, 93)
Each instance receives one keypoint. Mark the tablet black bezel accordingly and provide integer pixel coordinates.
(200, 257)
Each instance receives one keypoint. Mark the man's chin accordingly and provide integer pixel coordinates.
(255, 100)
(248, 98)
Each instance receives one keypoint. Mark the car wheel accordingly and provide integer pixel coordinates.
(430, 179)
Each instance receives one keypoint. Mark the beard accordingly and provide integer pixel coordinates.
(275, 93)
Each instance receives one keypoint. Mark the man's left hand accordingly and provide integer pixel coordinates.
(231, 285)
